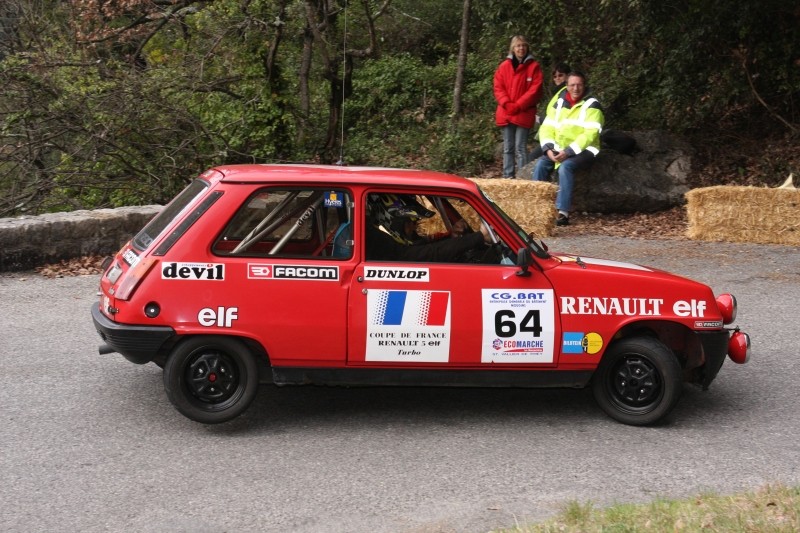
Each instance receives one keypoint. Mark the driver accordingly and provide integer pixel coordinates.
(388, 240)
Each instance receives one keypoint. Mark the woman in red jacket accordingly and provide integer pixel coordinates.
(517, 89)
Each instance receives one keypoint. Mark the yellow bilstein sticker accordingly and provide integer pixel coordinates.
(592, 343)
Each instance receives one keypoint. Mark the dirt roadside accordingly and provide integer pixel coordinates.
(671, 224)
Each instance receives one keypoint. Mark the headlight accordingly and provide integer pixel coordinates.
(727, 307)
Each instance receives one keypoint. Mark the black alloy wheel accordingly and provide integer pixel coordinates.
(638, 382)
(211, 379)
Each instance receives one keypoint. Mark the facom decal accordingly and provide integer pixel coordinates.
(397, 274)
(592, 305)
(220, 317)
(408, 326)
(518, 327)
(292, 272)
(334, 199)
(130, 257)
(193, 271)
(579, 342)
(256, 271)
(708, 324)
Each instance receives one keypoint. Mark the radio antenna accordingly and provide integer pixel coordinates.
(344, 82)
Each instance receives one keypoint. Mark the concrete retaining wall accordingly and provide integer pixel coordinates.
(28, 242)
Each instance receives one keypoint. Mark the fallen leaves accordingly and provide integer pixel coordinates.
(669, 224)
(80, 266)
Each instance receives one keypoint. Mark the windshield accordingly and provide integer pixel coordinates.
(538, 248)
(154, 228)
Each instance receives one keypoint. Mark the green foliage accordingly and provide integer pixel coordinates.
(399, 115)
(126, 107)
(466, 149)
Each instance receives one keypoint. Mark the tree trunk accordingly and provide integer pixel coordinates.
(305, 73)
(462, 61)
(270, 61)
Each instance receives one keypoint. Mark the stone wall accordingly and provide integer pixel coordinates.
(30, 241)
(652, 178)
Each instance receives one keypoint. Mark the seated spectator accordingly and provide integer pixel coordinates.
(570, 139)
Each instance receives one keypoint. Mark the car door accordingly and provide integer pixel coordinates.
(293, 265)
(450, 314)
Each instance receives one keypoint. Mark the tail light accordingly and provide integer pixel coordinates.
(133, 277)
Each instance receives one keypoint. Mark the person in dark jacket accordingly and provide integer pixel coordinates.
(560, 72)
(517, 89)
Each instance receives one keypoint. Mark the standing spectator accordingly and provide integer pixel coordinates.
(517, 89)
(570, 138)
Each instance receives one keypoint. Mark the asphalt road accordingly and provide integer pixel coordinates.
(90, 443)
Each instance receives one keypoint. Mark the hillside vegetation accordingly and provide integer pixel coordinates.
(117, 103)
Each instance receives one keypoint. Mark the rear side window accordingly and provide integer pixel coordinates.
(153, 229)
(285, 222)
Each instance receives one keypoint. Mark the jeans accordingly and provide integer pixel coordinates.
(566, 176)
(515, 147)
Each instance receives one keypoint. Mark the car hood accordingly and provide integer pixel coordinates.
(604, 276)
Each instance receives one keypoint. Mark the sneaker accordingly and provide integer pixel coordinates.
(562, 220)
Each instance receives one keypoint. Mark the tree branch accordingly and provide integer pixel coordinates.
(743, 57)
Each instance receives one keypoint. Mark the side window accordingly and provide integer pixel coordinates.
(428, 228)
(290, 223)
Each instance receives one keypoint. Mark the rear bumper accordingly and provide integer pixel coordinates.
(137, 344)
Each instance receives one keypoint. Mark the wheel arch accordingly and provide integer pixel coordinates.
(681, 340)
(257, 350)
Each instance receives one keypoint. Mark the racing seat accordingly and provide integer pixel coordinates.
(343, 240)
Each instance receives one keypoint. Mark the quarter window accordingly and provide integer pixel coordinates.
(290, 223)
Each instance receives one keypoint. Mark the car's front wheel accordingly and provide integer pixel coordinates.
(211, 379)
(638, 382)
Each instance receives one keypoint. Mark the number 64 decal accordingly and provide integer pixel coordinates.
(505, 323)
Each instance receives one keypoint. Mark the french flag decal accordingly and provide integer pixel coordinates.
(408, 326)
(412, 308)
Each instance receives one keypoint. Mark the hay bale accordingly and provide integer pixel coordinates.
(530, 203)
(744, 214)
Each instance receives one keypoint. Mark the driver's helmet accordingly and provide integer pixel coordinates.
(389, 212)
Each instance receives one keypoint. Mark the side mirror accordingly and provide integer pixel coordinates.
(523, 262)
(534, 238)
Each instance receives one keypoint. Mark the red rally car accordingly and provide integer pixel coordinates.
(304, 274)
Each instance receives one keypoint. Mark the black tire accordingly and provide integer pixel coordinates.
(211, 379)
(638, 382)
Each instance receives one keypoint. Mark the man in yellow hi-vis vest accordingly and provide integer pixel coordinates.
(570, 139)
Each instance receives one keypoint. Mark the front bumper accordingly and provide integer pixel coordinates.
(137, 344)
(720, 344)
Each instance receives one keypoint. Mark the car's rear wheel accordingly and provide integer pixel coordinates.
(211, 379)
(638, 382)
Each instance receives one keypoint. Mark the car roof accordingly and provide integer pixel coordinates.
(336, 174)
